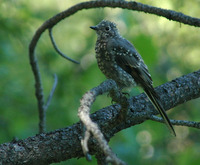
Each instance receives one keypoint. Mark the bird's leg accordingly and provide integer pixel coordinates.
(117, 95)
(124, 93)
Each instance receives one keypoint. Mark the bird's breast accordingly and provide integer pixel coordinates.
(109, 67)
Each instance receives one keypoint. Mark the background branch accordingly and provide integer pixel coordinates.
(57, 50)
(57, 145)
(52, 92)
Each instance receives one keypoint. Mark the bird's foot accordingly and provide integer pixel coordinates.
(126, 94)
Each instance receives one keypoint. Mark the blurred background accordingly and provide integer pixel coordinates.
(170, 50)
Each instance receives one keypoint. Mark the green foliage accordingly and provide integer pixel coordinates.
(168, 48)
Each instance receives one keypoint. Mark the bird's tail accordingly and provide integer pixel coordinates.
(155, 100)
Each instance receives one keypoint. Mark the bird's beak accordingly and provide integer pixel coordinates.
(94, 27)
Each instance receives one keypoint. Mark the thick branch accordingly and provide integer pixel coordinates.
(64, 144)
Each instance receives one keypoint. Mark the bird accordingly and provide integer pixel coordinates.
(118, 60)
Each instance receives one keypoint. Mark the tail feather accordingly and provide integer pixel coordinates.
(155, 100)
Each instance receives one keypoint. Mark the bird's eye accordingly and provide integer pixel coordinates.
(107, 28)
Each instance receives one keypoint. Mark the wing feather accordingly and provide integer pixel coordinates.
(130, 60)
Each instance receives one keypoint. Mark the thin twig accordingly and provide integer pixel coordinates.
(58, 51)
(177, 122)
(52, 92)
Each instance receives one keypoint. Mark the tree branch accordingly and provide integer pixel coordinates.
(57, 145)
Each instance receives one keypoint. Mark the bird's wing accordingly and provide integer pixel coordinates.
(130, 60)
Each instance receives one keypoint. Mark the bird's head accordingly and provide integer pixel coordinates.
(106, 29)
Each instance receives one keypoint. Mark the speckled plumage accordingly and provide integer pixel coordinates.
(118, 60)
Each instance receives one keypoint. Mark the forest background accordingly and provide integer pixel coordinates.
(170, 49)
